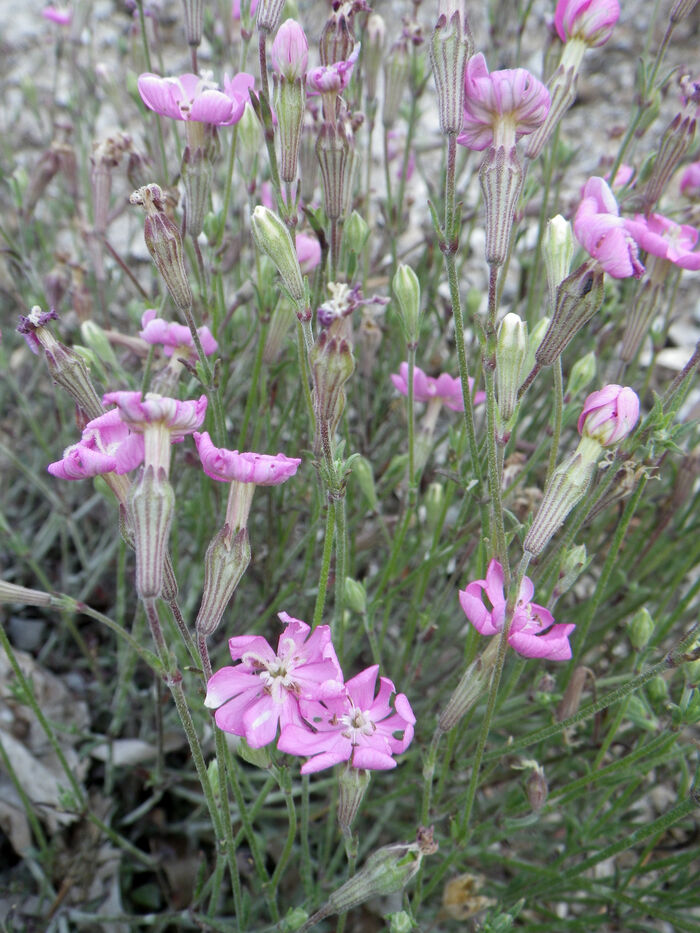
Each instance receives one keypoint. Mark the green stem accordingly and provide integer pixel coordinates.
(229, 183)
(340, 559)
(556, 419)
(147, 53)
(494, 473)
(325, 565)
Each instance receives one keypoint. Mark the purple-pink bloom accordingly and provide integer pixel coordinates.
(263, 691)
(174, 337)
(444, 387)
(189, 97)
(533, 632)
(140, 412)
(690, 181)
(332, 78)
(591, 21)
(358, 727)
(622, 177)
(236, 8)
(665, 238)
(609, 415)
(58, 15)
(500, 106)
(229, 466)
(290, 51)
(604, 234)
(308, 252)
(106, 446)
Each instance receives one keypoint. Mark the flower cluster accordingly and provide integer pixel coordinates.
(300, 690)
(533, 632)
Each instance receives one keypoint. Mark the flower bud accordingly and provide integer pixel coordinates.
(352, 786)
(248, 144)
(151, 503)
(363, 473)
(511, 351)
(572, 565)
(407, 290)
(681, 9)
(691, 670)
(332, 149)
(473, 684)
(337, 37)
(290, 101)
(579, 297)
(164, 244)
(675, 142)
(434, 502)
(450, 47)
(273, 239)
(566, 488)
(373, 52)
(657, 688)
(355, 595)
(400, 922)
(397, 68)
(609, 415)
(582, 374)
(290, 51)
(501, 179)
(640, 629)
(226, 561)
(356, 233)
(96, 340)
(537, 789)
(558, 251)
(332, 364)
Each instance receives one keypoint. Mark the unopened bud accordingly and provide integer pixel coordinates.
(151, 504)
(290, 102)
(97, 341)
(406, 287)
(355, 595)
(434, 502)
(290, 51)
(582, 374)
(355, 233)
(164, 244)
(511, 351)
(400, 922)
(373, 52)
(640, 629)
(501, 179)
(225, 562)
(352, 786)
(337, 38)
(609, 415)
(572, 565)
(397, 68)
(363, 473)
(273, 239)
(248, 144)
(268, 14)
(657, 688)
(537, 788)
(674, 144)
(558, 251)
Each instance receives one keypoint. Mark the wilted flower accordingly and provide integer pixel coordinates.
(142, 412)
(444, 388)
(533, 632)
(609, 415)
(106, 446)
(225, 466)
(355, 726)
(501, 106)
(264, 690)
(604, 234)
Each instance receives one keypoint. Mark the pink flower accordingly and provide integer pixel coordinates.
(332, 78)
(308, 252)
(622, 176)
(591, 21)
(229, 466)
(290, 51)
(445, 388)
(61, 17)
(609, 415)
(533, 632)
(174, 337)
(604, 234)
(665, 238)
(141, 412)
(190, 97)
(264, 689)
(356, 726)
(690, 181)
(501, 106)
(107, 446)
